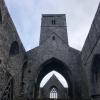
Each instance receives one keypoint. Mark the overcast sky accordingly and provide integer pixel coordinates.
(26, 15)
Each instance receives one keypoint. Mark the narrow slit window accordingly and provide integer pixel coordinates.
(0, 17)
(53, 38)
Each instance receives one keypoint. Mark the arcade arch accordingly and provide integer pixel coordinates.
(60, 67)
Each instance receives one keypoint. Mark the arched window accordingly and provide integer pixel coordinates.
(14, 48)
(53, 93)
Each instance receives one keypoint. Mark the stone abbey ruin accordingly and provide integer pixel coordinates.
(21, 72)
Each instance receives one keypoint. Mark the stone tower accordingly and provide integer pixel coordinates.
(53, 53)
(53, 24)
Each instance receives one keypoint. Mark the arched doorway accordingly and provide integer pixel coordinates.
(59, 66)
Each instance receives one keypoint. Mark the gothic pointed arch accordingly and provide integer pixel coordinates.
(57, 65)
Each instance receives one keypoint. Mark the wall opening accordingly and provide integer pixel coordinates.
(53, 93)
(0, 17)
(96, 68)
(53, 22)
(14, 49)
(53, 38)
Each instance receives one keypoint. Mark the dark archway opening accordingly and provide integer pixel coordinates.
(59, 66)
(0, 17)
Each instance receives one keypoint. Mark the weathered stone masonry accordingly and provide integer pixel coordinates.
(21, 72)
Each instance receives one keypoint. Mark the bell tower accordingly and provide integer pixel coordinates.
(53, 24)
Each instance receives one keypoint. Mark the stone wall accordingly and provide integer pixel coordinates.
(90, 49)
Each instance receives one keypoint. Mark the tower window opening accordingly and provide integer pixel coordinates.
(53, 22)
(53, 38)
(53, 93)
